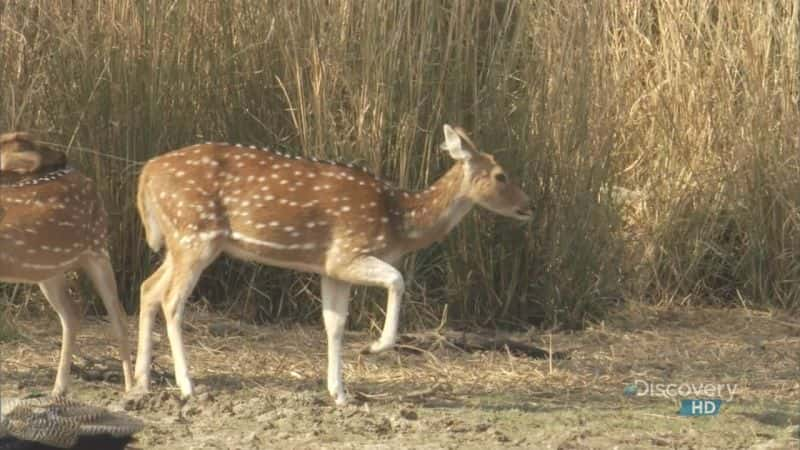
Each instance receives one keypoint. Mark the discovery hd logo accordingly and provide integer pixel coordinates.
(704, 399)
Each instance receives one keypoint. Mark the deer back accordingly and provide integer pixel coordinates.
(266, 205)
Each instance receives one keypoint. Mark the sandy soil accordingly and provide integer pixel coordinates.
(263, 386)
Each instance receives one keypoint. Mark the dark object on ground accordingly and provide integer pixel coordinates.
(472, 342)
(57, 422)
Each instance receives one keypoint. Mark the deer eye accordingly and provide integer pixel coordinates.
(501, 177)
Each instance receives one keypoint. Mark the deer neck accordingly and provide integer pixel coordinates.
(428, 216)
(12, 179)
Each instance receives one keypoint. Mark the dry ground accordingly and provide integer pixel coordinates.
(262, 386)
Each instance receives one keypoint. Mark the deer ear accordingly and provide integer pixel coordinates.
(452, 143)
(21, 162)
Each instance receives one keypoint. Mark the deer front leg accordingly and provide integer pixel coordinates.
(335, 300)
(55, 291)
(372, 271)
(392, 321)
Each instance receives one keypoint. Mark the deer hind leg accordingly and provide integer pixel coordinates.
(372, 271)
(335, 300)
(102, 275)
(152, 295)
(55, 290)
(186, 270)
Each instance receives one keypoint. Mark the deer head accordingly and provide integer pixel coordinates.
(21, 155)
(488, 184)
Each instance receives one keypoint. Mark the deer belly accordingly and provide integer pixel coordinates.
(273, 254)
(38, 246)
(26, 262)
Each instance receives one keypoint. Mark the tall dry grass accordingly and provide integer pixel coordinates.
(690, 106)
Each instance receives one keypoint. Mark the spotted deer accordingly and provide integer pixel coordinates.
(51, 223)
(303, 214)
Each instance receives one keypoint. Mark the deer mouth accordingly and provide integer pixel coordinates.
(524, 214)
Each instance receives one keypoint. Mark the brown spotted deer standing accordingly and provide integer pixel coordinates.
(338, 221)
(51, 223)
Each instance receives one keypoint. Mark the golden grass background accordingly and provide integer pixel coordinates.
(658, 138)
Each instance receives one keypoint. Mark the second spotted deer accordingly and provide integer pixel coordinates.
(303, 214)
(52, 222)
